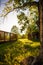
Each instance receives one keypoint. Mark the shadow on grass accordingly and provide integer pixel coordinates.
(28, 47)
(36, 40)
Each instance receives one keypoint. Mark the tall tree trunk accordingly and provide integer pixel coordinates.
(41, 27)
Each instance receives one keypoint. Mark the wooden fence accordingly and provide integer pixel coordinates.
(7, 36)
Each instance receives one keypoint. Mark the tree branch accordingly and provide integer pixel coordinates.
(28, 4)
(24, 5)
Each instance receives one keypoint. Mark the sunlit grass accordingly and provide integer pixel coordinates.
(25, 41)
(32, 43)
(35, 44)
(12, 53)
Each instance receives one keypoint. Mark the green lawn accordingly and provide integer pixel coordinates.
(13, 53)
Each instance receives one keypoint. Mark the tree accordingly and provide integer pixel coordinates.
(14, 30)
(29, 22)
(32, 29)
(12, 5)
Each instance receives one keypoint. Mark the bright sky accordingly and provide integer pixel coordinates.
(9, 21)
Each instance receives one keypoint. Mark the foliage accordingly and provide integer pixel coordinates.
(29, 22)
(15, 4)
(14, 29)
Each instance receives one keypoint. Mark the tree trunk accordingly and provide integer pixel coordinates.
(41, 27)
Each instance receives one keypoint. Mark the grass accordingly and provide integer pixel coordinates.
(12, 53)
